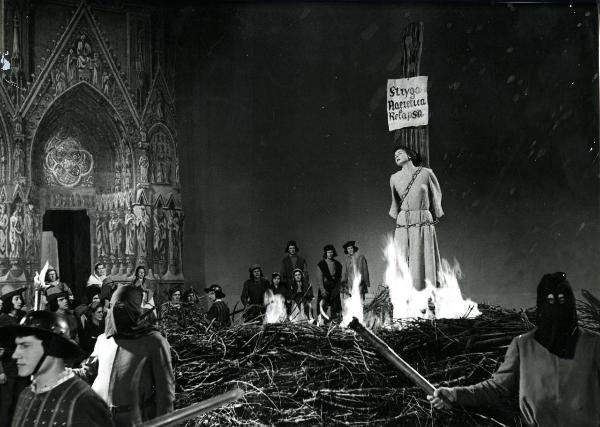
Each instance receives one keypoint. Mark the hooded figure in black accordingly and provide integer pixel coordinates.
(553, 370)
(125, 319)
(134, 373)
(556, 316)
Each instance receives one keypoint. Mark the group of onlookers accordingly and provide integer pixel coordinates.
(112, 343)
(334, 281)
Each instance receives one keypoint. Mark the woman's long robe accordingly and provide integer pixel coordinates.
(415, 233)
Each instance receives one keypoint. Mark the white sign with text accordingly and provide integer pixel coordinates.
(407, 102)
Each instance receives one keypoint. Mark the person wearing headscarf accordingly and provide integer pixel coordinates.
(554, 370)
(11, 386)
(292, 261)
(354, 263)
(98, 276)
(56, 396)
(131, 362)
(253, 294)
(218, 313)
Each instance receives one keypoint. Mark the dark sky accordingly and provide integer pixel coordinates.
(284, 135)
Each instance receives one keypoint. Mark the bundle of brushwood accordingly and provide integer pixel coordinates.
(302, 374)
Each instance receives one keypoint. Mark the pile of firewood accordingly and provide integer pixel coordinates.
(302, 374)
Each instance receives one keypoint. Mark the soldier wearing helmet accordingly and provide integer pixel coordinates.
(56, 396)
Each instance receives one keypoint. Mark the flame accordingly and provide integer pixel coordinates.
(38, 280)
(276, 311)
(449, 297)
(352, 304)
(431, 302)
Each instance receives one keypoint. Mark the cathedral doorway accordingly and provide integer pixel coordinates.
(66, 240)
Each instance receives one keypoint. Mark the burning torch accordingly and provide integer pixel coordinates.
(391, 356)
(194, 410)
(38, 289)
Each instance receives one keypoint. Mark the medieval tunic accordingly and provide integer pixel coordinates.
(253, 294)
(352, 265)
(552, 391)
(219, 312)
(414, 215)
(10, 390)
(329, 275)
(71, 404)
(115, 360)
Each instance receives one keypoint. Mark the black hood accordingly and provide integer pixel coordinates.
(125, 318)
(556, 316)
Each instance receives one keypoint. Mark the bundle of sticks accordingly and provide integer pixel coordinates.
(304, 374)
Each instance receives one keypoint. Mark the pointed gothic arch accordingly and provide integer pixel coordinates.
(84, 114)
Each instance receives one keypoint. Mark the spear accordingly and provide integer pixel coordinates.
(386, 351)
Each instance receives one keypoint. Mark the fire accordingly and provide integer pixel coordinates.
(352, 304)
(431, 302)
(276, 311)
(38, 281)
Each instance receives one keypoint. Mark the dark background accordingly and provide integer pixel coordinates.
(283, 135)
(73, 247)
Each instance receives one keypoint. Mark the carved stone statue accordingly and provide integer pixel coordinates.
(19, 161)
(143, 162)
(143, 223)
(126, 174)
(83, 57)
(160, 234)
(130, 233)
(95, 70)
(3, 231)
(15, 235)
(167, 163)
(60, 81)
(29, 228)
(158, 106)
(114, 234)
(173, 227)
(71, 66)
(106, 83)
(100, 236)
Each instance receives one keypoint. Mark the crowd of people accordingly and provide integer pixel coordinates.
(112, 340)
(109, 364)
(334, 281)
